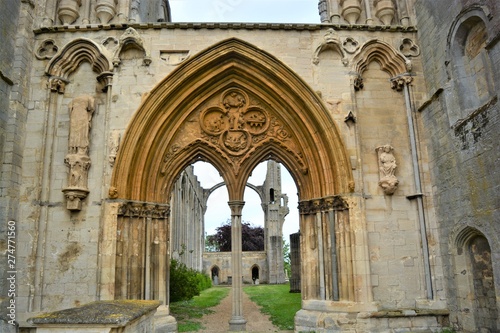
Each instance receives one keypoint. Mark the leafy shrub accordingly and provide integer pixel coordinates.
(185, 283)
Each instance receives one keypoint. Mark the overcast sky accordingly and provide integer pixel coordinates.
(268, 11)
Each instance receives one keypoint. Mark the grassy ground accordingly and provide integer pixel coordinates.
(185, 311)
(277, 301)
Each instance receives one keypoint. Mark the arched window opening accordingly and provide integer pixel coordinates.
(470, 66)
(485, 304)
(255, 274)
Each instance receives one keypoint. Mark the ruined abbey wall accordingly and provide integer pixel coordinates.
(414, 102)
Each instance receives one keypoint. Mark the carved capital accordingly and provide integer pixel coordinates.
(74, 197)
(399, 82)
(358, 82)
(144, 210)
(325, 204)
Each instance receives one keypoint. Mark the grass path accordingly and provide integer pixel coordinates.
(276, 301)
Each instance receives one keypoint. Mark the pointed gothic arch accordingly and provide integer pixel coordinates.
(391, 60)
(67, 60)
(234, 106)
(283, 115)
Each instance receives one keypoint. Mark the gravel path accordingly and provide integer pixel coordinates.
(218, 321)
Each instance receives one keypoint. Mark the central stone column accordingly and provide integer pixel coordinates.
(237, 322)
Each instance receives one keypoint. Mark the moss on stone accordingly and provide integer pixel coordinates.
(118, 313)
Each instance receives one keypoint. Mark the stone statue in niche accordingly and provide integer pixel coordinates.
(387, 169)
(80, 117)
(81, 110)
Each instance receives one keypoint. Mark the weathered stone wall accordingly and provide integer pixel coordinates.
(66, 265)
(463, 153)
(15, 63)
(187, 239)
(250, 260)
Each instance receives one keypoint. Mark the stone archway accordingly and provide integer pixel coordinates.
(234, 105)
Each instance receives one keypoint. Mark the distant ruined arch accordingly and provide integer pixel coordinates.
(234, 106)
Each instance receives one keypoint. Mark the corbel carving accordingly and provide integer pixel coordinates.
(399, 82)
(46, 50)
(77, 159)
(332, 41)
(387, 169)
(57, 84)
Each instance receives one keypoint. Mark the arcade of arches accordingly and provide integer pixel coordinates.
(385, 115)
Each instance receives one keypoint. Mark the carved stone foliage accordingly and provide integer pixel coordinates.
(144, 210)
(322, 205)
(235, 125)
(351, 10)
(387, 169)
(77, 159)
(400, 81)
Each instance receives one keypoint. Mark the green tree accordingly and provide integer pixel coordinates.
(287, 264)
(252, 238)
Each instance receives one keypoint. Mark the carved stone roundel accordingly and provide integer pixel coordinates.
(234, 122)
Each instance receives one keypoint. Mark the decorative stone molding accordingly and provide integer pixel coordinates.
(387, 169)
(67, 60)
(351, 10)
(408, 48)
(391, 60)
(68, 11)
(331, 41)
(399, 82)
(77, 159)
(240, 113)
(130, 39)
(105, 10)
(46, 50)
(322, 205)
(350, 45)
(385, 10)
(357, 82)
(144, 210)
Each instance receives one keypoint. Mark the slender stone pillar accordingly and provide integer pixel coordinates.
(237, 322)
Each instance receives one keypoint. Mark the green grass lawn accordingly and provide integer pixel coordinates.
(185, 312)
(277, 301)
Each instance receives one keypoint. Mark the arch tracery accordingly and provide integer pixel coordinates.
(247, 108)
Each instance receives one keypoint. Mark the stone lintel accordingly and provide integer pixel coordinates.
(117, 313)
